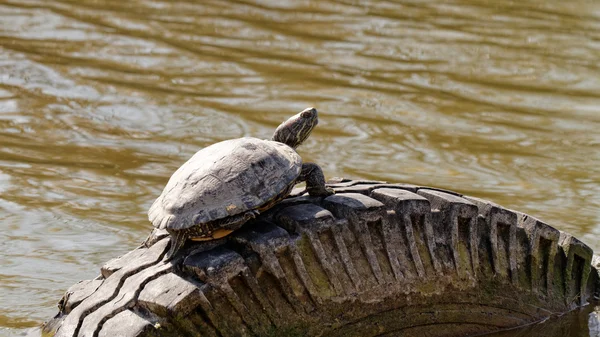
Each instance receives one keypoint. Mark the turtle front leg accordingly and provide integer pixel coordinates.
(315, 180)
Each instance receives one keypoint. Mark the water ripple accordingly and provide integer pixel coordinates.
(101, 101)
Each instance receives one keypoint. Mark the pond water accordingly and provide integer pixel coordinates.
(100, 101)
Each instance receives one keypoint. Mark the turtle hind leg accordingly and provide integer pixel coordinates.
(216, 230)
(221, 228)
(178, 239)
(315, 180)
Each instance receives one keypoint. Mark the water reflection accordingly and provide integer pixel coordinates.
(101, 101)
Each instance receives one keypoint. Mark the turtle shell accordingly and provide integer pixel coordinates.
(225, 179)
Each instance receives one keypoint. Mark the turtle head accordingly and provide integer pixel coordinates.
(297, 128)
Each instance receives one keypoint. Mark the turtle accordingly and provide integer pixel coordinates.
(226, 184)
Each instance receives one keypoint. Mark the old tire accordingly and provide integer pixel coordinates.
(375, 259)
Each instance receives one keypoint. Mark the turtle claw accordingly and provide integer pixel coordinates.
(251, 214)
(178, 239)
(321, 191)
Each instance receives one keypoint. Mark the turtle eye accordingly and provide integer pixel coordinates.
(308, 113)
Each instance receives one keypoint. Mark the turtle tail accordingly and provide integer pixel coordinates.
(178, 239)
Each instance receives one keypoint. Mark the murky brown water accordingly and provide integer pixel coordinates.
(100, 101)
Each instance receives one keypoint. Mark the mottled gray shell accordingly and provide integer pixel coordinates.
(225, 179)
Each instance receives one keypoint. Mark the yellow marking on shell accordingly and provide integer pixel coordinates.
(217, 234)
(231, 208)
